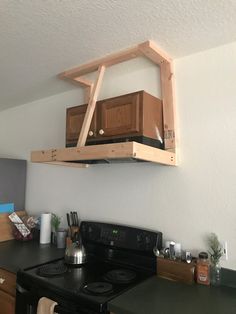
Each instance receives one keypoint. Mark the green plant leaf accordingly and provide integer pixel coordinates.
(215, 248)
(55, 221)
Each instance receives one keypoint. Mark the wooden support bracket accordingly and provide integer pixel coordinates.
(88, 87)
(132, 150)
(147, 49)
(121, 151)
(168, 99)
(91, 107)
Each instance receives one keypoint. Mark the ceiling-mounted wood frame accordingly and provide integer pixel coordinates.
(147, 49)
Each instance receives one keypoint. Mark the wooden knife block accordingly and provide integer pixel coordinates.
(72, 231)
(176, 270)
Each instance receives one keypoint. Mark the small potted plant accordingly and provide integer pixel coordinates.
(216, 252)
(55, 222)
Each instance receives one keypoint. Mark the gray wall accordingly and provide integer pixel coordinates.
(12, 182)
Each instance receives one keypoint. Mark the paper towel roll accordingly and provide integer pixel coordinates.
(45, 228)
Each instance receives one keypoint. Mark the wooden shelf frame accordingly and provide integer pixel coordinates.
(66, 156)
(122, 151)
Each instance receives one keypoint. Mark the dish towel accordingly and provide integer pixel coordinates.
(46, 306)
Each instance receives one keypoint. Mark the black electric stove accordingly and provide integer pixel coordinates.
(119, 257)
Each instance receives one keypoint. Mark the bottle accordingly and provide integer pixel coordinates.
(203, 269)
(215, 271)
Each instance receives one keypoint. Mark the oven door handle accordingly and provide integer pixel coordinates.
(58, 308)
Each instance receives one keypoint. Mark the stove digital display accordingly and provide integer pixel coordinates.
(113, 234)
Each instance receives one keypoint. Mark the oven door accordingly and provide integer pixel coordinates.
(27, 302)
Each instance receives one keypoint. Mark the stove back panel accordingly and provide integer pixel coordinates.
(121, 237)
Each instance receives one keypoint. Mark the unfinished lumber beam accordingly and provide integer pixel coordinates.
(168, 99)
(109, 60)
(91, 107)
(154, 53)
(148, 153)
(88, 87)
(83, 81)
(125, 151)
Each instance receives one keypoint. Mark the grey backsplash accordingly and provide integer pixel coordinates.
(13, 182)
(228, 278)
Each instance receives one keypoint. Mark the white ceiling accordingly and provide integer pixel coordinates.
(40, 38)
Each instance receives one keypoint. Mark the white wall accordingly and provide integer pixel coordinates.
(186, 202)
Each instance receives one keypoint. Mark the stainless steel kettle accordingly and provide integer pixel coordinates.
(75, 253)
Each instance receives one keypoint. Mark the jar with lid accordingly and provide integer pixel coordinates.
(203, 269)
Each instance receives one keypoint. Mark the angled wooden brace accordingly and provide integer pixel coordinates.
(88, 86)
(95, 88)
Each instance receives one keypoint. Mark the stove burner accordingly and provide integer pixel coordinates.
(122, 276)
(98, 287)
(51, 270)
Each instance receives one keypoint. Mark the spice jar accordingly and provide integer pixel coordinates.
(203, 269)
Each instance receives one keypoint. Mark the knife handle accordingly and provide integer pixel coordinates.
(72, 219)
(76, 218)
(68, 219)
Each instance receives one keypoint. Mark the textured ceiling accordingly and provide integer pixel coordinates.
(41, 38)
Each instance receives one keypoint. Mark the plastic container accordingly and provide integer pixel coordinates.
(203, 269)
(61, 238)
